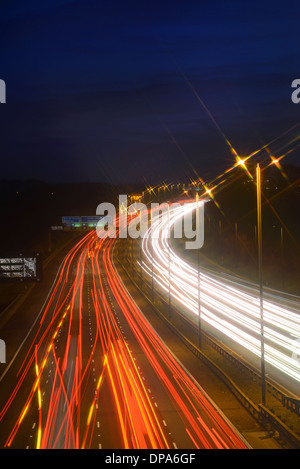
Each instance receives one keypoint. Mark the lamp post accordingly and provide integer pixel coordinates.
(152, 260)
(197, 189)
(282, 254)
(169, 255)
(199, 279)
(260, 275)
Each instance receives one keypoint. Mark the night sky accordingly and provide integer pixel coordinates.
(108, 90)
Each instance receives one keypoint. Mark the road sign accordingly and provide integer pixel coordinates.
(90, 220)
(21, 268)
(71, 221)
(84, 222)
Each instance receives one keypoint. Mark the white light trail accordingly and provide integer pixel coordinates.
(231, 310)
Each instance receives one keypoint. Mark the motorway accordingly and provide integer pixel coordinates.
(227, 308)
(91, 372)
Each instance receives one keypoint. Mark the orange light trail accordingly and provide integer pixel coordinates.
(63, 347)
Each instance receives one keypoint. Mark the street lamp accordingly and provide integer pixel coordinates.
(152, 260)
(260, 272)
(208, 191)
(169, 255)
(260, 275)
(199, 280)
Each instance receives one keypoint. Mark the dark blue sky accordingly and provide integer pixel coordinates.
(99, 90)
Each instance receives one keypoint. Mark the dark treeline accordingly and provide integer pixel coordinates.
(29, 208)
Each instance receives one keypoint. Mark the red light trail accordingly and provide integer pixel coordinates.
(70, 370)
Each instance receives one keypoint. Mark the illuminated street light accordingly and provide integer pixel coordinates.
(199, 279)
(260, 273)
(169, 257)
(208, 192)
(241, 162)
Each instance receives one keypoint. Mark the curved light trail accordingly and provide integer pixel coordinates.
(227, 308)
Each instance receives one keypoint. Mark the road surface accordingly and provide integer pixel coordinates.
(78, 382)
